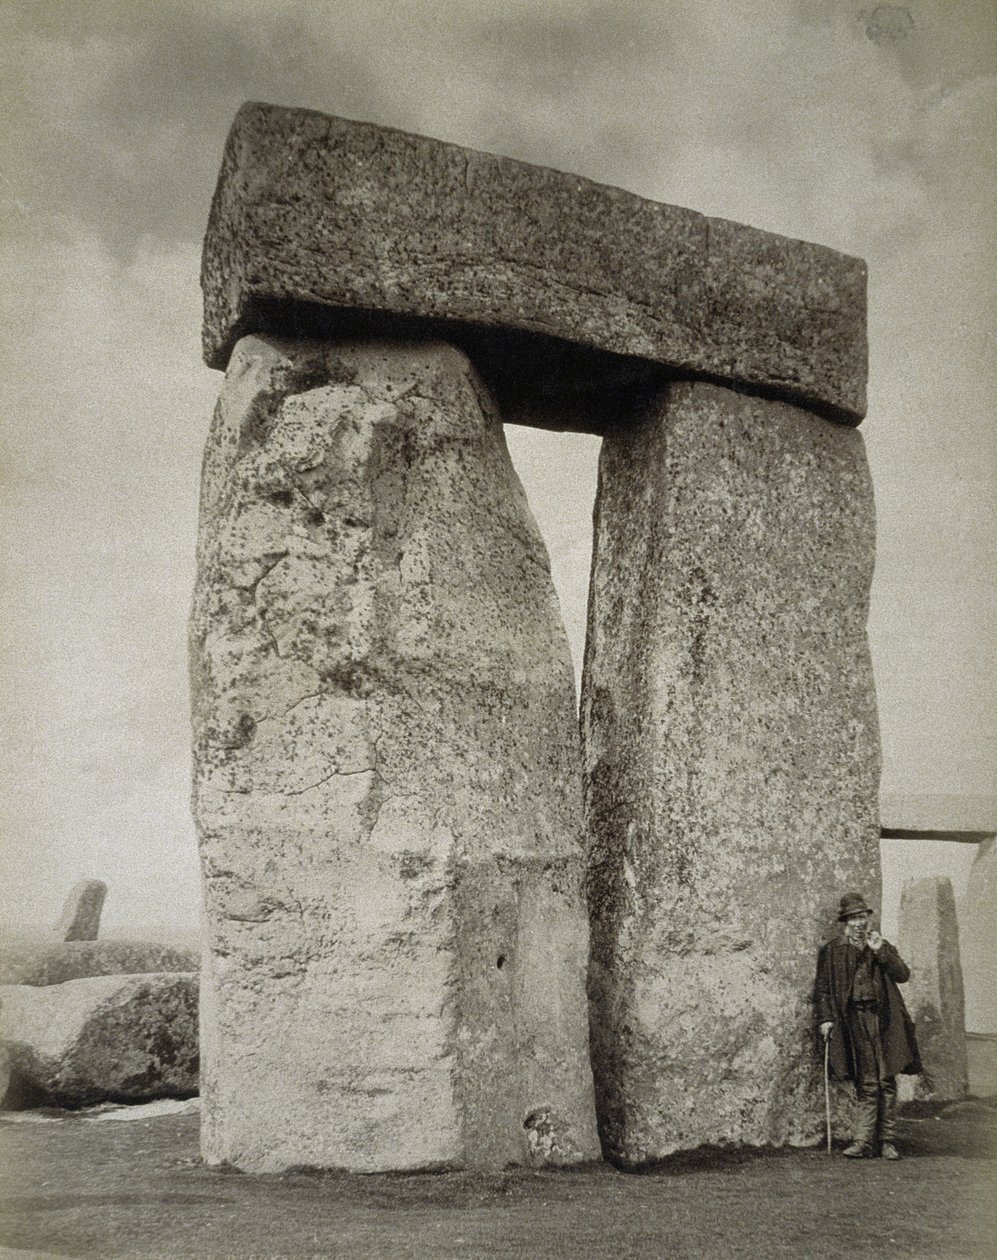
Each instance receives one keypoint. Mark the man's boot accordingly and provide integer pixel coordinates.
(888, 1119)
(867, 1097)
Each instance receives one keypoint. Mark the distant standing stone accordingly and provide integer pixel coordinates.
(928, 940)
(118, 1038)
(978, 940)
(80, 918)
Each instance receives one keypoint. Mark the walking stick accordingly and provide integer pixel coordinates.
(827, 1092)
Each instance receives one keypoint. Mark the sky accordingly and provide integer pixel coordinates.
(866, 128)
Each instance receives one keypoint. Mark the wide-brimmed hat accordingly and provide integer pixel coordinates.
(852, 904)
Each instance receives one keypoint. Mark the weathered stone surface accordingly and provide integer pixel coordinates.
(27, 961)
(121, 1038)
(928, 941)
(80, 918)
(314, 214)
(978, 940)
(732, 761)
(387, 776)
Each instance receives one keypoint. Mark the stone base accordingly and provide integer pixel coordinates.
(387, 783)
(732, 758)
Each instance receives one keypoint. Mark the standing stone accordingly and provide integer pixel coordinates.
(387, 777)
(928, 941)
(732, 761)
(80, 918)
(978, 940)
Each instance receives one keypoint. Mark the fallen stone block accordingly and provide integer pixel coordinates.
(35, 962)
(732, 760)
(117, 1038)
(315, 218)
(80, 918)
(928, 941)
(387, 777)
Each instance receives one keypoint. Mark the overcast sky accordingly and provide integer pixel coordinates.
(869, 129)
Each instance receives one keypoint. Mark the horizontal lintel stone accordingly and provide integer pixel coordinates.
(318, 217)
(942, 815)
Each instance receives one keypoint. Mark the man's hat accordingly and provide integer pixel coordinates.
(852, 904)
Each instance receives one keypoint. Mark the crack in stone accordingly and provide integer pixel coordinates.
(270, 560)
(309, 787)
(345, 774)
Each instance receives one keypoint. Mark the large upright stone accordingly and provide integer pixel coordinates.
(732, 761)
(928, 940)
(387, 777)
(318, 219)
(80, 918)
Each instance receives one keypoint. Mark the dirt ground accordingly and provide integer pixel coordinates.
(74, 1187)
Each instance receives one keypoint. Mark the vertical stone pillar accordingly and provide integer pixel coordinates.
(928, 941)
(978, 940)
(387, 777)
(80, 918)
(732, 761)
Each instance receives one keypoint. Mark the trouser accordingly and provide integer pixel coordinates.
(876, 1092)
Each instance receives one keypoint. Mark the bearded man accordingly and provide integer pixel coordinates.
(863, 1020)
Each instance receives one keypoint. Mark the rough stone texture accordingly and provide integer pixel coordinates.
(25, 961)
(978, 940)
(123, 1038)
(80, 918)
(928, 941)
(314, 214)
(387, 775)
(732, 761)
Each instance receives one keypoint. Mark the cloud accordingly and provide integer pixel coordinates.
(122, 108)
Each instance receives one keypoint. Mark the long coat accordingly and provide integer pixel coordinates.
(836, 966)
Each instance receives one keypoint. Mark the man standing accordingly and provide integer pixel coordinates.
(864, 1020)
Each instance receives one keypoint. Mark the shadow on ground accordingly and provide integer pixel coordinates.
(75, 1187)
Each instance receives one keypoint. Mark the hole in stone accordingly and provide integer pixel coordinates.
(559, 471)
(283, 498)
(500, 961)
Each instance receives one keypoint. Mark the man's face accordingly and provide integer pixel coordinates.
(857, 928)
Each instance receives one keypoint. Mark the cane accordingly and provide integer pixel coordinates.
(827, 1091)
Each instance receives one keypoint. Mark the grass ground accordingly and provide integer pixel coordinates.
(74, 1187)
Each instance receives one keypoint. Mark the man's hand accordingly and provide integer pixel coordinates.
(825, 1029)
(874, 942)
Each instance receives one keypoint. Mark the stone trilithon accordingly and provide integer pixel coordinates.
(388, 781)
(388, 789)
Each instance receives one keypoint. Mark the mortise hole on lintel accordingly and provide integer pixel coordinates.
(500, 961)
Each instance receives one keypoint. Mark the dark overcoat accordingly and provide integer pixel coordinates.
(836, 966)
